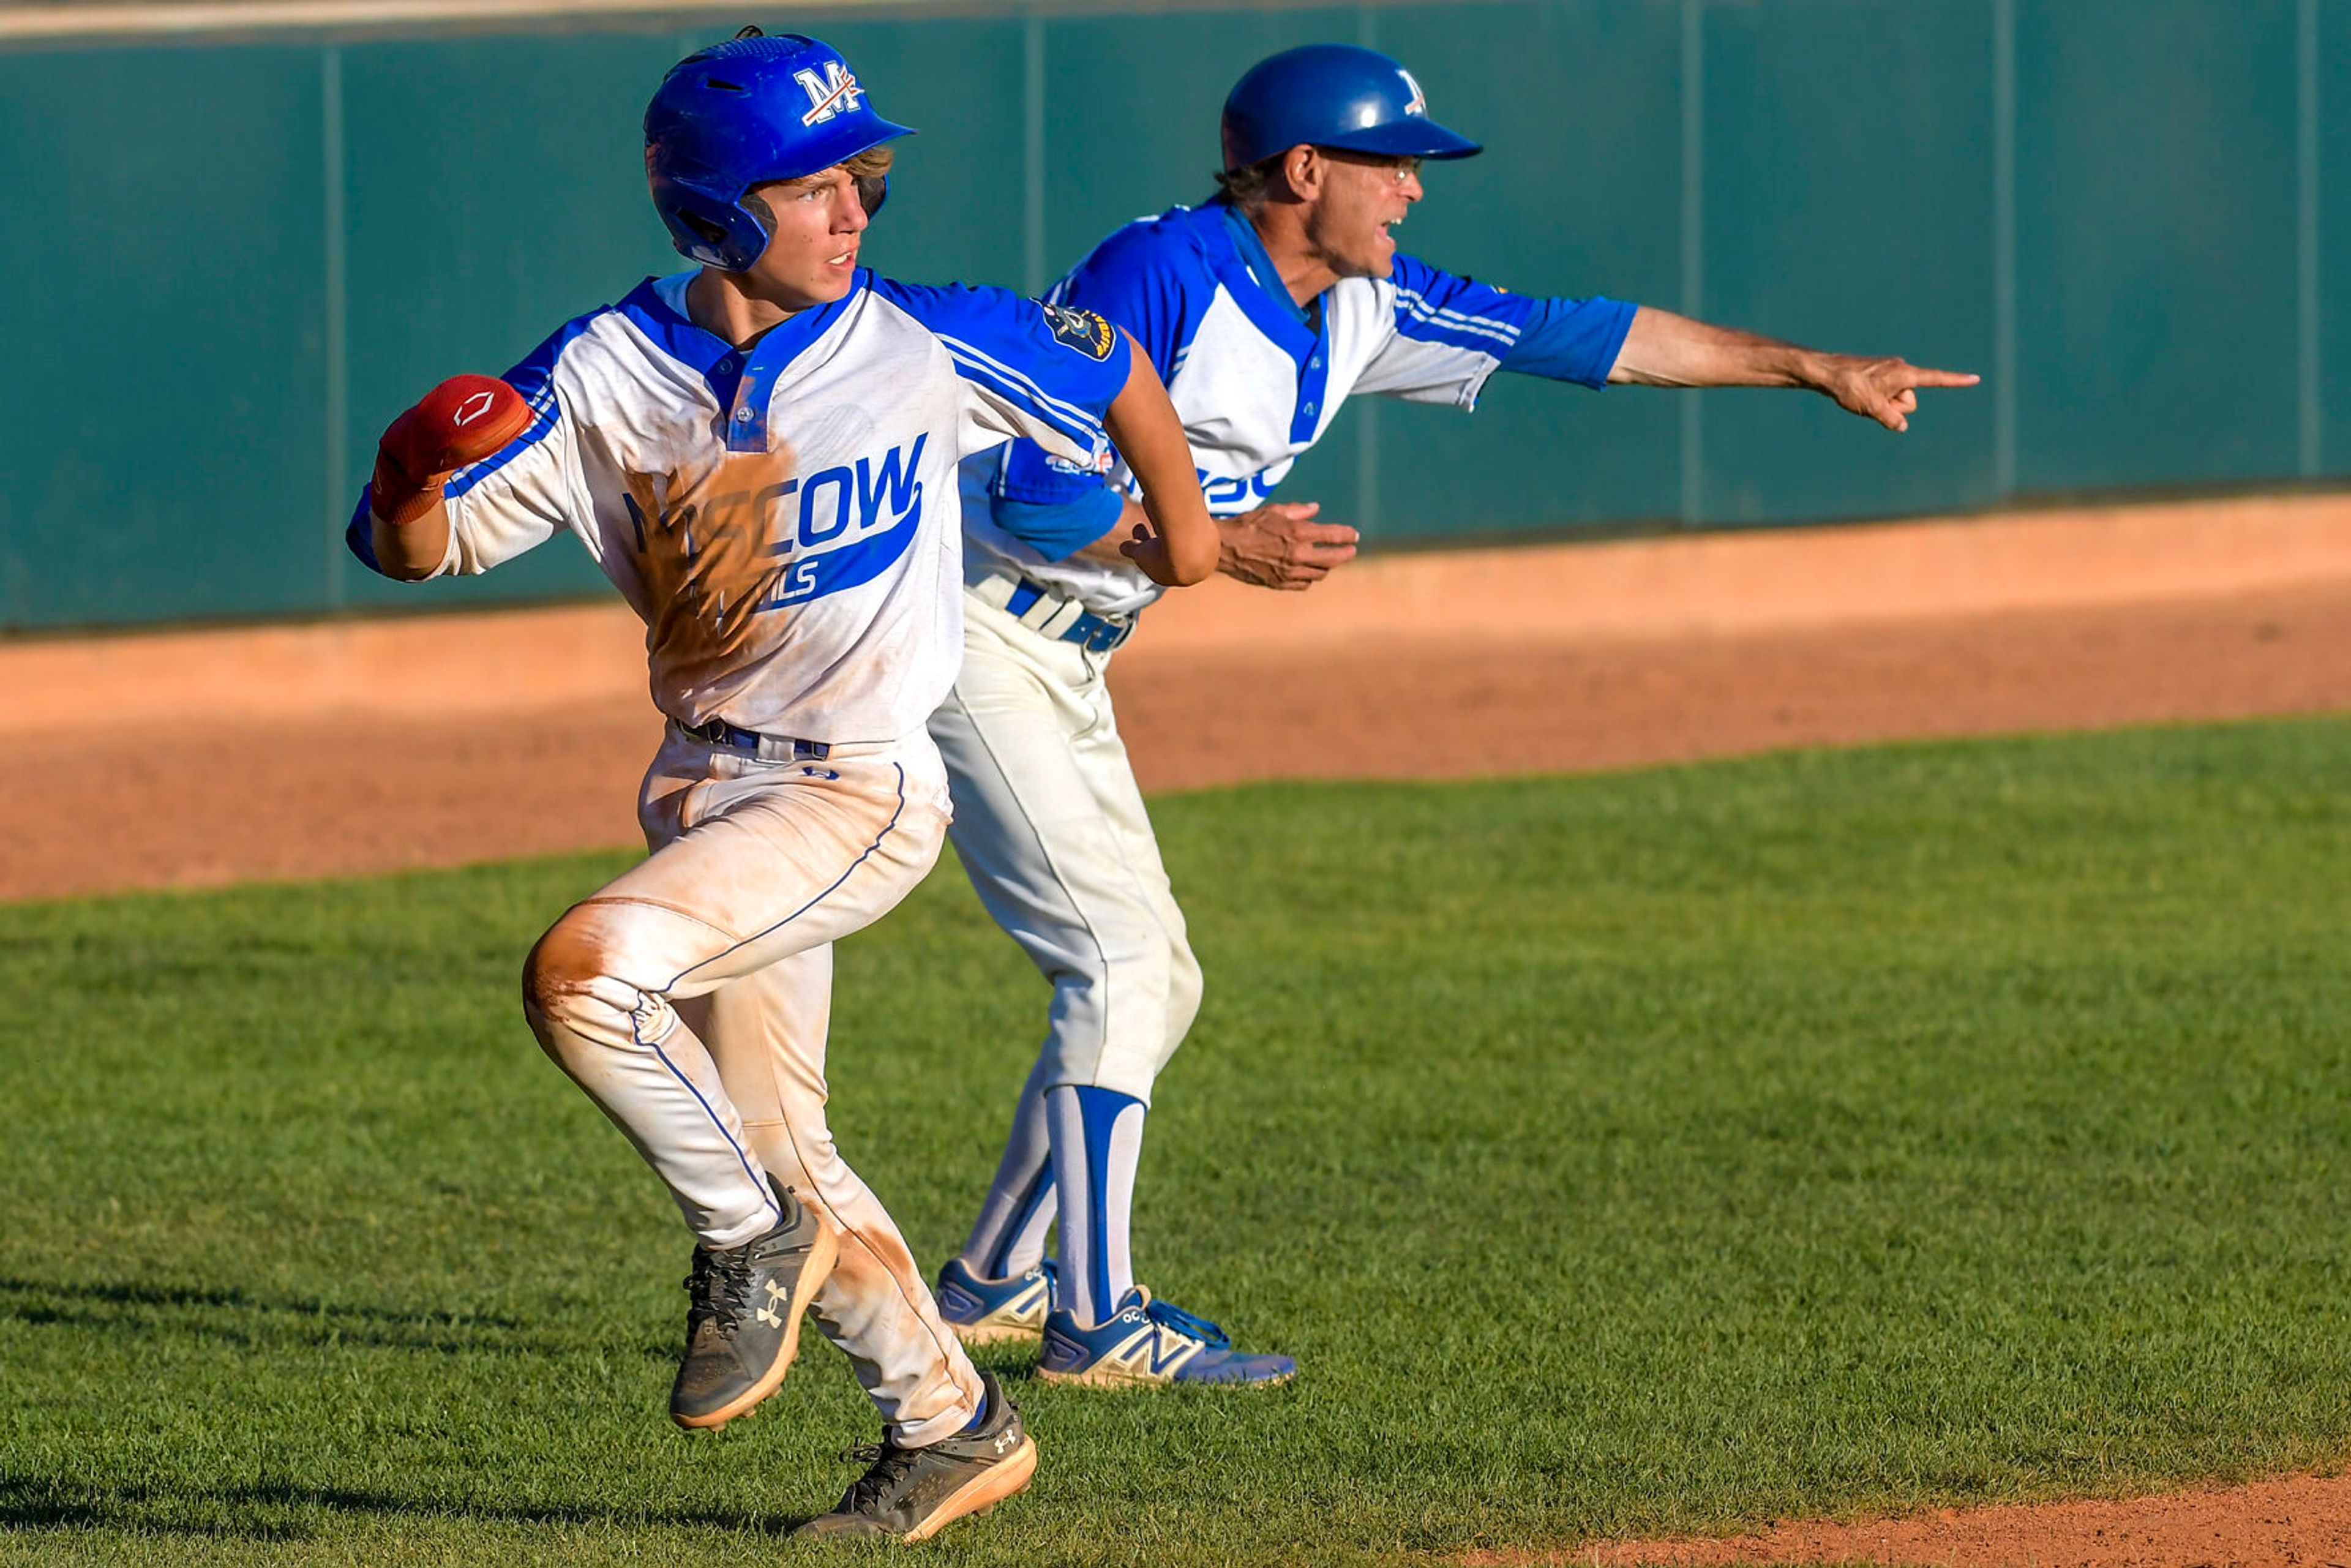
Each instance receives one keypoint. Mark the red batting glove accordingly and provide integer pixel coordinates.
(461, 421)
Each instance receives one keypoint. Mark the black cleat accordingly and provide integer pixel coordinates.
(743, 1325)
(911, 1494)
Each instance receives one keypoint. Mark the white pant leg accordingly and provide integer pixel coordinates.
(1051, 828)
(767, 1033)
(1101, 755)
(756, 868)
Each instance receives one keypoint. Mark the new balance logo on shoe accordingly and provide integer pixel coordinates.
(1148, 1343)
(1168, 1351)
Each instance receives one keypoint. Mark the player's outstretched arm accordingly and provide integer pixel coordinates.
(1180, 546)
(461, 421)
(1663, 350)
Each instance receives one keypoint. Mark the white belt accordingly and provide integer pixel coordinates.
(1051, 615)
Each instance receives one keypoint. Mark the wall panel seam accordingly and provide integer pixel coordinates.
(2306, 214)
(1693, 247)
(2003, 248)
(337, 267)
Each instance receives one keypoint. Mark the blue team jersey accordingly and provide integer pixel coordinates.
(1257, 381)
(784, 518)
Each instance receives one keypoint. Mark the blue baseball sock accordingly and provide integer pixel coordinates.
(1008, 1237)
(1097, 1135)
(979, 1419)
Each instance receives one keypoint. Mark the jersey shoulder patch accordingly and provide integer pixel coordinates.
(1082, 330)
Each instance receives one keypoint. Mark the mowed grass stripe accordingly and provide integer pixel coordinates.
(1668, 1151)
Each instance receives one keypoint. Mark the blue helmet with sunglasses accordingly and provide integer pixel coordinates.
(743, 112)
(1333, 95)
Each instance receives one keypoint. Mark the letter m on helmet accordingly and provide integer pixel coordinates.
(827, 94)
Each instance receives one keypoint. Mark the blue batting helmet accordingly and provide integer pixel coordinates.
(1333, 95)
(735, 114)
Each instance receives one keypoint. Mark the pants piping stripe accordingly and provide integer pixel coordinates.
(766, 1195)
(887, 828)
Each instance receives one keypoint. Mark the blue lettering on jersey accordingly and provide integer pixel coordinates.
(815, 529)
(876, 503)
(889, 483)
(884, 494)
(1225, 495)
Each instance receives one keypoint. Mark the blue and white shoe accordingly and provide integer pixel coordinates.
(994, 1312)
(1150, 1344)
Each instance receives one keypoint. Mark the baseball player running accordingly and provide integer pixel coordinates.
(760, 453)
(1264, 310)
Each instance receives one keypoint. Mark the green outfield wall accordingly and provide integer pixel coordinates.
(230, 260)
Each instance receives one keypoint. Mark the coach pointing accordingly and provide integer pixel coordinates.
(1263, 309)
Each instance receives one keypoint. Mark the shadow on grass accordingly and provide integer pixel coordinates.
(283, 1510)
(237, 1318)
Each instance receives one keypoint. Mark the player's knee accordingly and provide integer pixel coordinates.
(563, 964)
(576, 982)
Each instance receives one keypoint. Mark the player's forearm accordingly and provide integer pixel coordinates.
(413, 550)
(1663, 350)
(1130, 518)
(1150, 437)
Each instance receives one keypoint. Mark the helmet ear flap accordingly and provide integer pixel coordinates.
(730, 236)
(872, 190)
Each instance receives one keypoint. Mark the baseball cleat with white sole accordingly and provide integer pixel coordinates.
(994, 1312)
(743, 1317)
(911, 1494)
(1151, 1344)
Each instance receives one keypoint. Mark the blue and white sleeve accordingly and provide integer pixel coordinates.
(1451, 333)
(1571, 340)
(517, 498)
(1153, 281)
(1057, 529)
(1046, 372)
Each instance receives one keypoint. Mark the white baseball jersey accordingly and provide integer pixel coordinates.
(785, 518)
(1257, 381)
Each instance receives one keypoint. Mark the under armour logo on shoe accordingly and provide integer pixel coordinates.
(770, 1314)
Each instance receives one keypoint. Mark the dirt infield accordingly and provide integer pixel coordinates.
(2295, 1524)
(197, 759)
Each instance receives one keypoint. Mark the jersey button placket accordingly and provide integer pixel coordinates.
(747, 432)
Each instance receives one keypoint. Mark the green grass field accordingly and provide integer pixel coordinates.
(1662, 1152)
